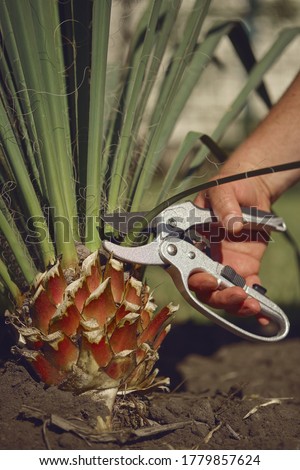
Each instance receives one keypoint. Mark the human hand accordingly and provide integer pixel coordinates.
(232, 245)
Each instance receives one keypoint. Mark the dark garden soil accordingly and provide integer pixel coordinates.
(224, 394)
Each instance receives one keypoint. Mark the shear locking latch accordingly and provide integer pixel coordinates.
(231, 275)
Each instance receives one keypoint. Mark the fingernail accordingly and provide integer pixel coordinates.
(233, 223)
(263, 321)
(252, 308)
(210, 284)
(237, 298)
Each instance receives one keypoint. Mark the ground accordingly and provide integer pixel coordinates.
(216, 380)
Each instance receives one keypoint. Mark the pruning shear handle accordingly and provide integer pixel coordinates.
(184, 260)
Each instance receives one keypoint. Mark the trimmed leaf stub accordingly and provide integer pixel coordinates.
(99, 332)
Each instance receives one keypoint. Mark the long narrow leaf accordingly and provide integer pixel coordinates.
(126, 133)
(202, 55)
(76, 18)
(187, 145)
(22, 178)
(122, 88)
(17, 120)
(149, 81)
(32, 53)
(162, 113)
(17, 245)
(51, 57)
(5, 302)
(6, 280)
(255, 76)
(168, 20)
(181, 58)
(101, 16)
(240, 40)
(21, 100)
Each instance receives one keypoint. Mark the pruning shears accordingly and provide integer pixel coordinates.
(178, 248)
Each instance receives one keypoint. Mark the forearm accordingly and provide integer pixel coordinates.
(275, 141)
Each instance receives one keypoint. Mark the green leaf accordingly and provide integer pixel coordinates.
(240, 39)
(214, 148)
(101, 22)
(163, 108)
(166, 23)
(187, 145)
(130, 115)
(5, 280)
(10, 232)
(37, 63)
(284, 39)
(30, 202)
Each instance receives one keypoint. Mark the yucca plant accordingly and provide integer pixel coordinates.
(73, 146)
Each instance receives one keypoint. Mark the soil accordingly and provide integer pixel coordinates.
(218, 384)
